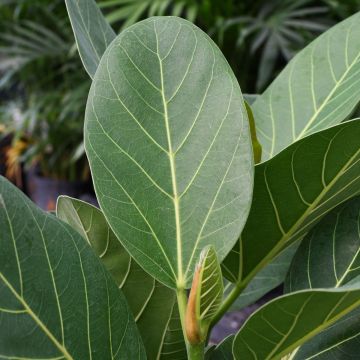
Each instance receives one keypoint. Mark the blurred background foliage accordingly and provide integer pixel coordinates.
(43, 87)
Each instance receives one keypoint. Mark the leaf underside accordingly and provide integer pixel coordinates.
(314, 175)
(267, 279)
(317, 89)
(167, 137)
(151, 303)
(329, 257)
(55, 295)
(92, 32)
(283, 324)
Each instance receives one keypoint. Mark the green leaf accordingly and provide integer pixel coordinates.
(329, 257)
(167, 137)
(222, 351)
(205, 296)
(294, 190)
(92, 32)
(152, 303)
(210, 290)
(173, 340)
(283, 324)
(317, 89)
(340, 341)
(270, 277)
(255, 142)
(55, 295)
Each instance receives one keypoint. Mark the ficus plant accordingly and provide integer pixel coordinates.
(188, 228)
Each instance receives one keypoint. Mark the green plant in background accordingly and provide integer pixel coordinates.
(36, 43)
(264, 35)
(40, 66)
(168, 139)
(274, 31)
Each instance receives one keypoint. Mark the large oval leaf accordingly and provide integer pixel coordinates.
(92, 32)
(317, 89)
(293, 191)
(168, 141)
(287, 322)
(152, 303)
(329, 256)
(57, 301)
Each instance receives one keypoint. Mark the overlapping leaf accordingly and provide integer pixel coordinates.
(270, 277)
(153, 305)
(293, 191)
(287, 322)
(255, 142)
(317, 89)
(329, 256)
(168, 141)
(57, 301)
(92, 32)
(340, 341)
(222, 351)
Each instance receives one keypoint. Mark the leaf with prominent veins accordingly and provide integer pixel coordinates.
(57, 301)
(289, 321)
(270, 277)
(168, 141)
(316, 90)
(329, 256)
(205, 296)
(152, 303)
(314, 175)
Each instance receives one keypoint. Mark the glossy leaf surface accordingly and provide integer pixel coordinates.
(293, 191)
(55, 294)
(317, 89)
(92, 32)
(169, 146)
(152, 303)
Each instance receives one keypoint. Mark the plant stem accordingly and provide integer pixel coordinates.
(234, 293)
(194, 351)
(182, 302)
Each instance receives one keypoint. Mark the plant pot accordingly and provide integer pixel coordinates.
(45, 191)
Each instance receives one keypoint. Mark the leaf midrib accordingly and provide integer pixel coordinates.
(180, 277)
